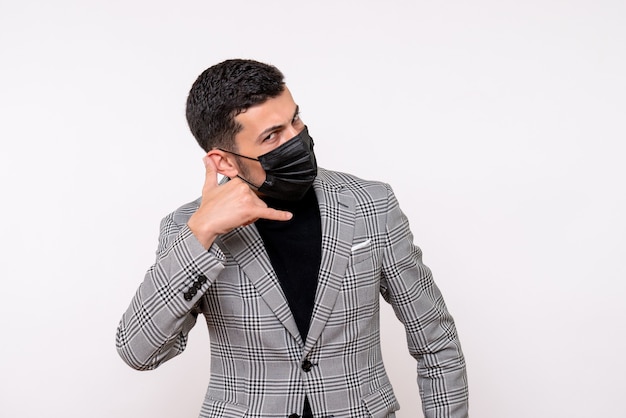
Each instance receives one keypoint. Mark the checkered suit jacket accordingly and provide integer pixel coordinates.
(260, 366)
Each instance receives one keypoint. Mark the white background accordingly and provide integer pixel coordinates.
(500, 125)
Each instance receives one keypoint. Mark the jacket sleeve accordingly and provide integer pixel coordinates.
(407, 284)
(155, 326)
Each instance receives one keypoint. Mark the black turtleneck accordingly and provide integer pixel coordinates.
(295, 250)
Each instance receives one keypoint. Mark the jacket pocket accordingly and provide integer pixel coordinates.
(382, 402)
(213, 408)
(361, 251)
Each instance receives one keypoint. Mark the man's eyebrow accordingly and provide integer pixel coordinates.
(275, 127)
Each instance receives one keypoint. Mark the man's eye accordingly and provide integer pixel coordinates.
(270, 137)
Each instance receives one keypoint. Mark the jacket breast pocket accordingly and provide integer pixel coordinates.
(360, 284)
(361, 251)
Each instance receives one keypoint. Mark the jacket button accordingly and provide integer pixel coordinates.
(294, 416)
(202, 279)
(187, 296)
(306, 365)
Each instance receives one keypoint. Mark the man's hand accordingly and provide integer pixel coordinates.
(225, 207)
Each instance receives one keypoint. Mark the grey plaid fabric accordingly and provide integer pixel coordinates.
(260, 366)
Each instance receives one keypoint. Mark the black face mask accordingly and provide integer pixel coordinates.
(290, 168)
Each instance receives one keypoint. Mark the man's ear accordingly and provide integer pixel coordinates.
(224, 163)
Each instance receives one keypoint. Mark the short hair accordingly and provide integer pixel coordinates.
(222, 92)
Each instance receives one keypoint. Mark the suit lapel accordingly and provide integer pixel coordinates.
(246, 247)
(337, 210)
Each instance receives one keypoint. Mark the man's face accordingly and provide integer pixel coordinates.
(265, 127)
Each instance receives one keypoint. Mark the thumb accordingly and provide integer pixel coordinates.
(210, 181)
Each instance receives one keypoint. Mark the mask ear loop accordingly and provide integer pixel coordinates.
(248, 183)
(247, 158)
(238, 155)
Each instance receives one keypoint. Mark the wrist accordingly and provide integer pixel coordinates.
(204, 234)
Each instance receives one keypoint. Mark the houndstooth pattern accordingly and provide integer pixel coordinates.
(257, 353)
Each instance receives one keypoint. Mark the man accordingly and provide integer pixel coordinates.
(286, 262)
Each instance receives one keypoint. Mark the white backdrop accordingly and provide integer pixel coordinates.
(500, 125)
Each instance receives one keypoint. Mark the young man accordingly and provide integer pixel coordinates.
(286, 262)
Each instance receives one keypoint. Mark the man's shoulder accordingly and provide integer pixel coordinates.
(184, 212)
(351, 182)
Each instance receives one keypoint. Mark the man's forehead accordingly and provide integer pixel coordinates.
(273, 111)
